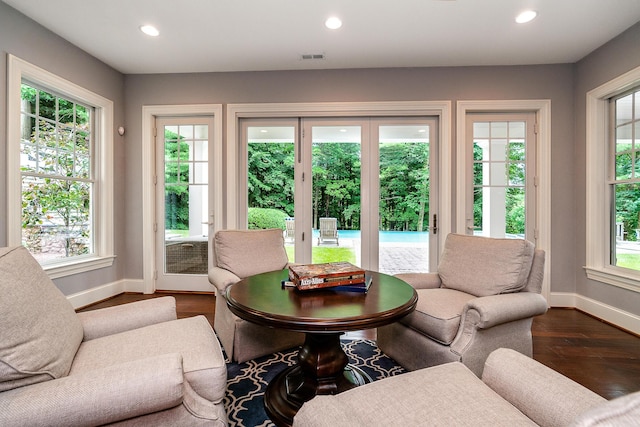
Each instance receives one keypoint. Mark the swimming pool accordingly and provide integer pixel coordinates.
(387, 236)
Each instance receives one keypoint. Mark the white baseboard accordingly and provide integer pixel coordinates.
(99, 293)
(613, 315)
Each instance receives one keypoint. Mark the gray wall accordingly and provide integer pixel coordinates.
(27, 40)
(612, 60)
(553, 82)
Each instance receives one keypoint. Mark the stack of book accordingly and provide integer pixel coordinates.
(335, 276)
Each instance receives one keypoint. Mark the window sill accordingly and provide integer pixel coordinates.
(78, 266)
(616, 277)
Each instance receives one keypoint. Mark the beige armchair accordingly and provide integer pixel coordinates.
(133, 364)
(483, 297)
(240, 254)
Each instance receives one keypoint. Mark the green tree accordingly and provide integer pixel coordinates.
(176, 178)
(270, 178)
(404, 186)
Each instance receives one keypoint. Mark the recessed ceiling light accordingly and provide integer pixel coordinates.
(150, 30)
(333, 23)
(526, 16)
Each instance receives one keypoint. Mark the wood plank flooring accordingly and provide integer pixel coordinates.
(593, 353)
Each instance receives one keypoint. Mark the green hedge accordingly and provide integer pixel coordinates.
(261, 218)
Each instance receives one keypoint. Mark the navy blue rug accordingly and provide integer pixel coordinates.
(246, 382)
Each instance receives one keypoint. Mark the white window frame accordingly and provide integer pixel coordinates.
(598, 197)
(103, 255)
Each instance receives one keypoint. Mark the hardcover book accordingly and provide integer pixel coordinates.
(313, 276)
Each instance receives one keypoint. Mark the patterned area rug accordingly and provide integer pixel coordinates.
(247, 381)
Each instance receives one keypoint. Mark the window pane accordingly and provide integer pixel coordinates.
(56, 217)
(624, 109)
(626, 253)
(623, 138)
(499, 180)
(623, 166)
(56, 181)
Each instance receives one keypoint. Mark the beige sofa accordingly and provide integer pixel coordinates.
(133, 364)
(515, 390)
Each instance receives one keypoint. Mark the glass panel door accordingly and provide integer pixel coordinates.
(344, 189)
(271, 157)
(336, 158)
(503, 164)
(184, 206)
(405, 203)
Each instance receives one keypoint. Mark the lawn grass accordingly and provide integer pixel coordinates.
(631, 261)
(328, 254)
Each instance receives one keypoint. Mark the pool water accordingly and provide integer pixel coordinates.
(387, 236)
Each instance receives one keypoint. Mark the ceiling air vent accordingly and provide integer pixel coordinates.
(312, 56)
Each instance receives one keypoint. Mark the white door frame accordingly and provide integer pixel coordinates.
(542, 108)
(149, 114)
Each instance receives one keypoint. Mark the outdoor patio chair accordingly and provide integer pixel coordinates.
(483, 297)
(290, 229)
(328, 230)
(240, 254)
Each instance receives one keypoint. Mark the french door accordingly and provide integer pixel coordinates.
(184, 202)
(501, 190)
(349, 189)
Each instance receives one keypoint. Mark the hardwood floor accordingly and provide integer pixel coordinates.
(593, 353)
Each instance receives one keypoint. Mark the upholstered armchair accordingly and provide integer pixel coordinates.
(483, 296)
(240, 254)
(133, 364)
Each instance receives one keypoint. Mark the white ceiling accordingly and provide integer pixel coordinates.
(251, 35)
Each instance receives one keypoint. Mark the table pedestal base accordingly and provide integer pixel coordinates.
(322, 369)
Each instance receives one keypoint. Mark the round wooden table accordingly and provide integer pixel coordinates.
(323, 315)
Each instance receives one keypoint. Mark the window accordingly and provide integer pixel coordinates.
(624, 181)
(613, 182)
(60, 162)
(57, 175)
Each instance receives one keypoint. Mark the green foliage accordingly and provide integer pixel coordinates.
(260, 218)
(404, 182)
(270, 178)
(404, 186)
(628, 208)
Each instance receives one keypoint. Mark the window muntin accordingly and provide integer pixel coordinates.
(56, 147)
(624, 181)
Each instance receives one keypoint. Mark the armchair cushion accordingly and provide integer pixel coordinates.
(191, 337)
(437, 313)
(483, 266)
(98, 396)
(249, 252)
(39, 330)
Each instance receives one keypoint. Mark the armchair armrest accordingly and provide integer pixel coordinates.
(125, 317)
(221, 278)
(542, 394)
(98, 397)
(497, 309)
(421, 280)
